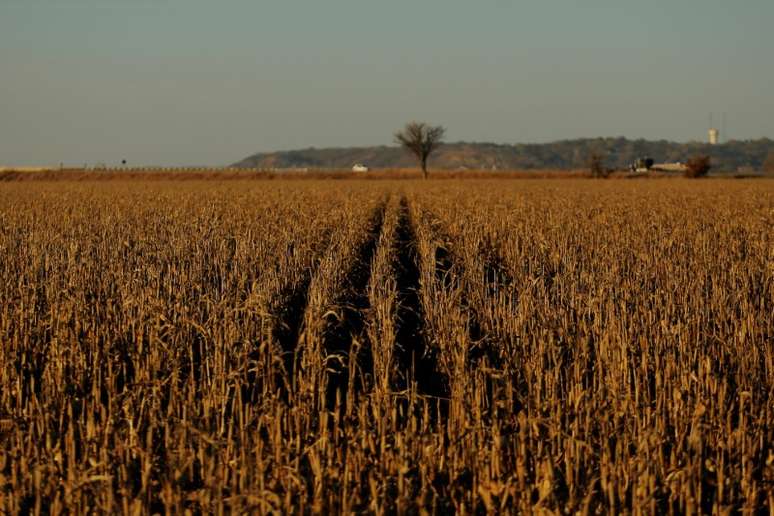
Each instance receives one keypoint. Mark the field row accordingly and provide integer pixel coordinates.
(379, 347)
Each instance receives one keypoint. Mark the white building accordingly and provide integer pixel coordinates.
(359, 167)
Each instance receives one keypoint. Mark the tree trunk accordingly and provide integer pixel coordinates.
(423, 162)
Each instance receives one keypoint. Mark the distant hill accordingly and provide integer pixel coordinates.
(566, 154)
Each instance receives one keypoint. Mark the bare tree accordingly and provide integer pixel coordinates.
(421, 140)
(597, 165)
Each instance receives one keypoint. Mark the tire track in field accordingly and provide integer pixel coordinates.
(417, 361)
(345, 337)
(286, 328)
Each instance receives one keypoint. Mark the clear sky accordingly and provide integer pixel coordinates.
(183, 82)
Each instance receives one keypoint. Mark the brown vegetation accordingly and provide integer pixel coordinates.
(387, 347)
(768, 164)
(698, 166)
(193, 174)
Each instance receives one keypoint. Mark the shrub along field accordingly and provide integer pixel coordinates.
(311, 346)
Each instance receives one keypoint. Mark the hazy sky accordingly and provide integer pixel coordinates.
(205, 82)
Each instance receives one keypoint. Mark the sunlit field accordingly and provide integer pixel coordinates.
(387, 346)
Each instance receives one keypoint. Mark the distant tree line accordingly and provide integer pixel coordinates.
(617, 153)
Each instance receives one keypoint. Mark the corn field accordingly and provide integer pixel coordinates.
(380, 347)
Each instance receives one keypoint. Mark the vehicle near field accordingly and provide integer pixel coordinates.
(641, 165)
(359, 167)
